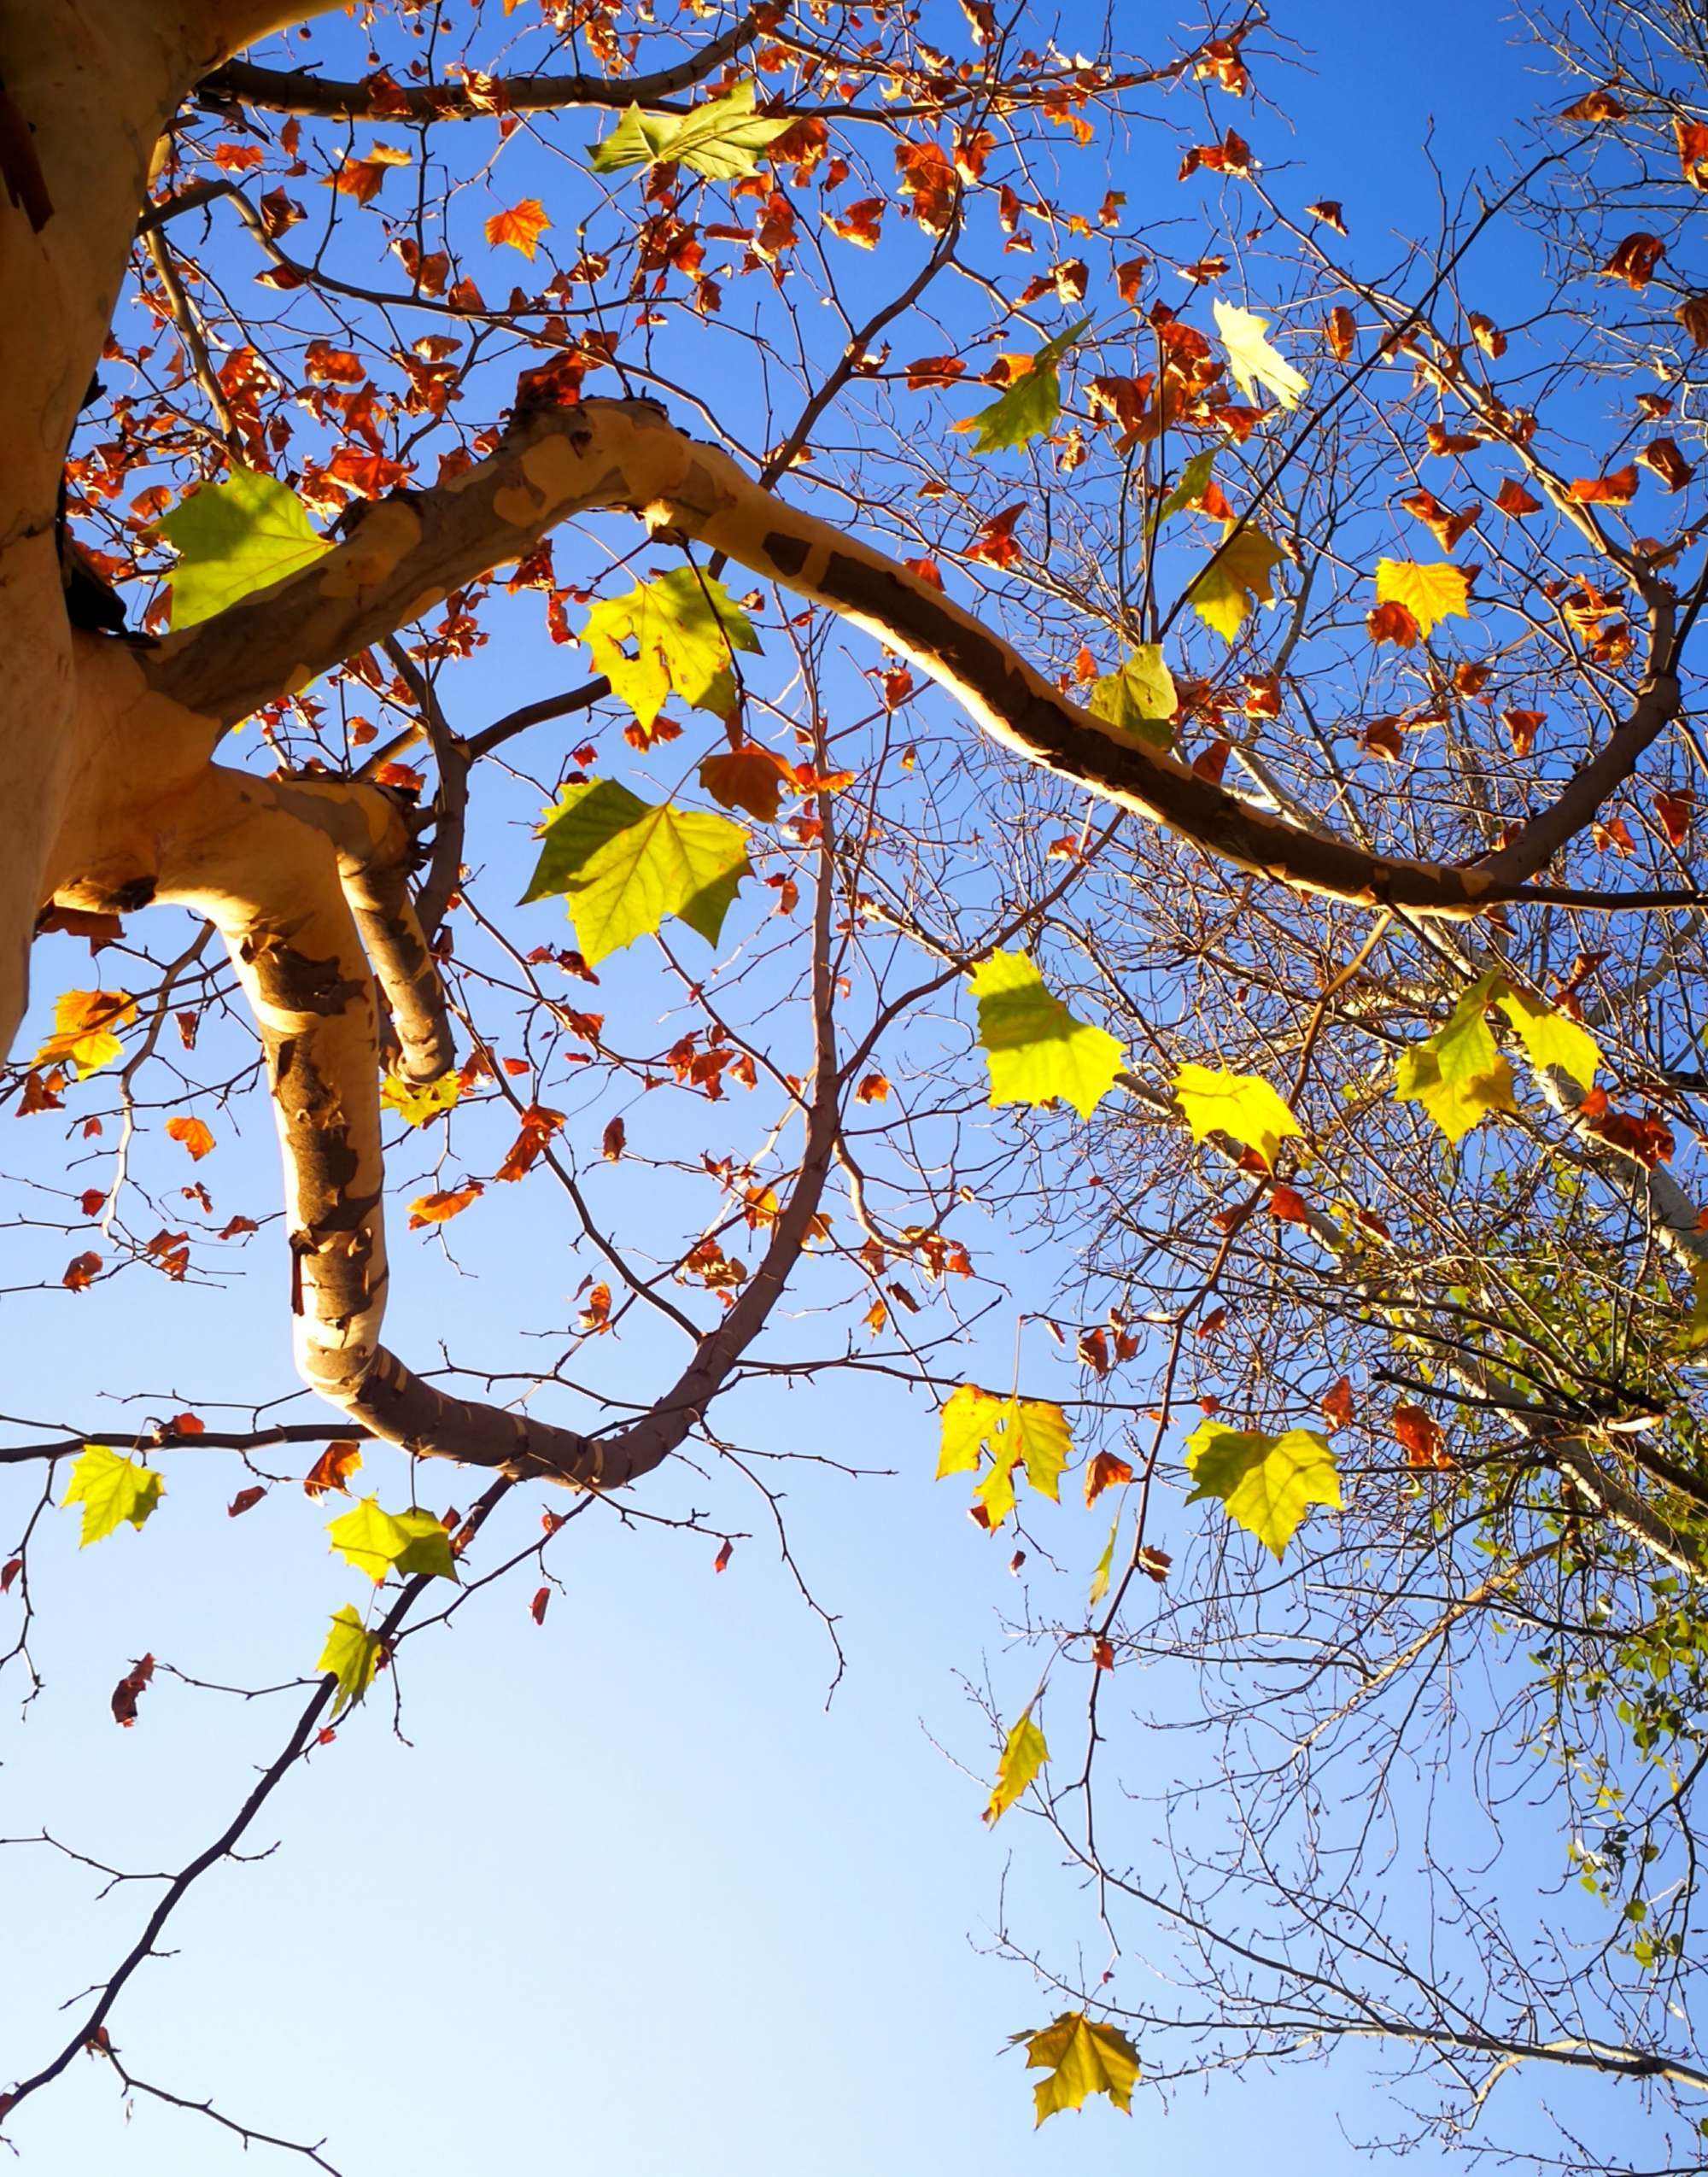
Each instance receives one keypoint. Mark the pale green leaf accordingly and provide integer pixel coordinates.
(1036, 1049)
(1241, 1106)
(1458, 1074)
(1139, 698)
(242, 534)
(624, 865)
(351, 1654)
(1190, 485)
(684, 628)
(1024, 1753)
(1083, 2057)
(1105, 1566)
(1030, 405)
(381, 1542)
(111, 1489)
(722, 139)
(1267, 1482)
(1253, 362)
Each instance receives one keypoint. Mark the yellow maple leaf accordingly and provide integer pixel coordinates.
(1083, 2057)
(1243, 1106)
(1241, 572)
(1435, 591)
(1251, 359)
(84, 1021)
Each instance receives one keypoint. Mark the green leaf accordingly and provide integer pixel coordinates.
(1190, 485)
(351, 1654)
(1139, 698)
(1028, 1433)
(684, 627)
(1024, 1753)
(1036, 1049)
(405, 1542)
(111, 1489)
(1243, 1106)
(1105, 1566)
(1083, 2058)
(1266, 1482)
(1550, 1038)
(1222, 596)
(1030, 405)
(1458, 1074)
(234, 537)
(722, 139)
(624, 865)
(1253, 362)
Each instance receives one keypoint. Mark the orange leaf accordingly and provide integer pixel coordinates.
(332, 1470)
(1337, 1403)
(1635, 260)
(1107, 1470)
(1618, 488)
(439, 1209)
(749, 777)
(1423, 1436)
(196, 1135)
(1392, 622)
(1512, 499)
(1661, 455)
(520, 227)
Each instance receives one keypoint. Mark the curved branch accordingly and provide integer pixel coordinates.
(293, 91)
(411, 549)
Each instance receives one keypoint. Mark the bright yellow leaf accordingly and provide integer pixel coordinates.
(84, 1021)
(1243, 1106)
(1432, 592)
(1223, 595)
(417, 1102)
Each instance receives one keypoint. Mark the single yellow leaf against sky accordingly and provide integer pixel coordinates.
(1429, 593)
(379, 1543)
(1251, 359)
(1267, 1482)
(1083, 2057)
(111, 1488)
(351, 1654)
(1030, 1434)
(1024, 1753)
(1243, 1106)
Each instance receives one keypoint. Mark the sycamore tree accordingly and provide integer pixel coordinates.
(1165, 723)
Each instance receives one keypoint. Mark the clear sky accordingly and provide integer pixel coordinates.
(631, 1901)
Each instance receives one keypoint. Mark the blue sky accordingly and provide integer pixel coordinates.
(632, 1901)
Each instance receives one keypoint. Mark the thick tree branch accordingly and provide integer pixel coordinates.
(294, 91)
(411, 549)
